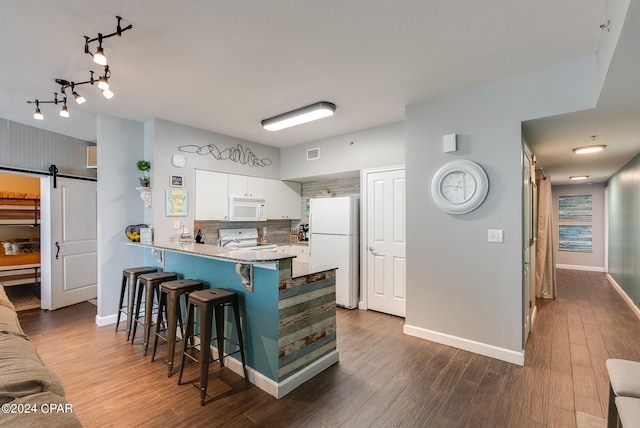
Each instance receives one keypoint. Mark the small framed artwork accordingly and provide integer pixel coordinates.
(176, 180)
(176, 203)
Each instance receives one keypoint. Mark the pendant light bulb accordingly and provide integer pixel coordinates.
(99, 57)
(38, 114)
(79, 98)
(107, 94)
(64, 112)
(103, 83)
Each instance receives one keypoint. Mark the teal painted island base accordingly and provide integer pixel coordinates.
(288, 318)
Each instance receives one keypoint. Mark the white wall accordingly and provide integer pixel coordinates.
(120, 145)
(369, 148)
(578, 260)
(462, 290)
(162, 141)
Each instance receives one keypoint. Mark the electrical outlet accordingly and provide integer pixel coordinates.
(176, 224)
(495, 235)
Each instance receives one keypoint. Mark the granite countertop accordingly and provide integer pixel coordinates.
(214, 251)
(301, 269)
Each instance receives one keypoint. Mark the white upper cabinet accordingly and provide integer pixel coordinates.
(242, 186)
(211, 195)
(283, 199)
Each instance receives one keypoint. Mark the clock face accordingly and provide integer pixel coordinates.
(459, 186)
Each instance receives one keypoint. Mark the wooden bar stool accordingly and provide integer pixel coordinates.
(170, 294)
(209, 301)
(129, 283)
(624, 381)
(149, 285)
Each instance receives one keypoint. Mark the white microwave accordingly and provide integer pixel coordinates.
(243, 209)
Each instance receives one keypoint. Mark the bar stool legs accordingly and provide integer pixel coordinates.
(151, 284)
(170, 294)
(129, 283)
(210, 301)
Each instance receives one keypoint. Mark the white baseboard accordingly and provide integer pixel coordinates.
(579, 267)
(514, 357)
(624, 296)
(280, 389)
(109, 319)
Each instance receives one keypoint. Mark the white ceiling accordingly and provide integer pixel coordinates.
(225, 65)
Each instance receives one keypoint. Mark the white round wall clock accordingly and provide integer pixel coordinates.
(459, 186)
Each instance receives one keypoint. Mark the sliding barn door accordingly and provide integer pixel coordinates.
(69, 242)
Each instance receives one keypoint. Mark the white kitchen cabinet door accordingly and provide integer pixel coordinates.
(242, 186)
(211, 195)
(283, 199)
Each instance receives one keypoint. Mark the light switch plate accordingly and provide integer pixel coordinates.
(450, 143)
(495, 235)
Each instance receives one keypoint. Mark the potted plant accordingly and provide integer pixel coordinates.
(144, 166)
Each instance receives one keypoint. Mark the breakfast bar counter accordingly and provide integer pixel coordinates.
(288, 313)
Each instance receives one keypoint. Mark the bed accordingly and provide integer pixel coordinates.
(19, 255)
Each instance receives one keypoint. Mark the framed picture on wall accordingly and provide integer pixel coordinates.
(176, 203)
(176, 180)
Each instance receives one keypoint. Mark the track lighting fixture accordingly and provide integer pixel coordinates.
(99, 56)
(299, 116)
(102, 81)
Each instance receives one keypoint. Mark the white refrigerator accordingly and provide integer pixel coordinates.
(334, 241)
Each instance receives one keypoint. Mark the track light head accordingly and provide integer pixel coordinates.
(38, 114)
(79, 98)
(103, 83)
(99, 57)
(64, 112)
(107, 94)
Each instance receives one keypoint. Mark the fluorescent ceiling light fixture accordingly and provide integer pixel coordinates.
(578, 177)
(589, 149)
(299, 116)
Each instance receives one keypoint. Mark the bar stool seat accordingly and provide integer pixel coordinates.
(629, 411)
(624, 378)
(170, 294)
(129, 283)
(211, 301)
(149, 285)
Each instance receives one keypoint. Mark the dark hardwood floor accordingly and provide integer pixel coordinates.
(383, 379)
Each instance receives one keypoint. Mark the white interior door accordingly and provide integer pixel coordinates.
(385, 241)
(69, 242)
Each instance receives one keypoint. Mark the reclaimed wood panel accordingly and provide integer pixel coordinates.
(306, 318)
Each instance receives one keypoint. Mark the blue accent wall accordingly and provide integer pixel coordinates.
(259, 310)
(624, 228)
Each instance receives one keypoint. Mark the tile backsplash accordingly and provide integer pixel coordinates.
(277, 230)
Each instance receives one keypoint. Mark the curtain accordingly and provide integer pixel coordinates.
(545, 249)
